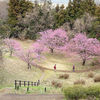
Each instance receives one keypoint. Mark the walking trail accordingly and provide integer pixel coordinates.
(5, 95)
(77, 71)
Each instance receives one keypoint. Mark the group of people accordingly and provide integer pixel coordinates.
(73, 67)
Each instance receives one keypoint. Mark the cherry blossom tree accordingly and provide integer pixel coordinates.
(53, 39)
(27, 56)
(85, 47)
(39, 48)
(13, 45)
(33, 53)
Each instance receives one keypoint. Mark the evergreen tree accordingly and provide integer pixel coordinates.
(17, 7)
(13, 12)
(25, 6)
(97, 12)
(77, 8)
(57, 8)
(89, 6)
(60, 15)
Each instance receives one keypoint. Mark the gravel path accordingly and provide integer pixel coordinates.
(31, 96)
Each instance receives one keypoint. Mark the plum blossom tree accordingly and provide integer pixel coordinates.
(53, 39)
(85, 47)
(13, 45)
(27, 56)
(31, 54)
(38, 48)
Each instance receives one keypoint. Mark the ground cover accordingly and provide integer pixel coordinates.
(14, 68)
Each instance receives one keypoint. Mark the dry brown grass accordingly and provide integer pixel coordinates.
(97, 78)
(56, 84)
(90, 74)
(17, 70)
(79, 81)
(65, 76)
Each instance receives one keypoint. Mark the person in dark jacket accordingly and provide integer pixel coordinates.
(73, 68)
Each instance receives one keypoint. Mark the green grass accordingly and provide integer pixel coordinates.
(78, 92)
(37, 90)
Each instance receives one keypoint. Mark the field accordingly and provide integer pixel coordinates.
(16, 69)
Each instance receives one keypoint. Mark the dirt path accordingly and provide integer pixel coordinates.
(77, 71)
(43, 73)
(31, 96)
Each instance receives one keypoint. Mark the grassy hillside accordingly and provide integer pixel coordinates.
(16, 69)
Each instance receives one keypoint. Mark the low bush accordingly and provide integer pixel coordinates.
(56, 84)
(90, 74)
(95, 62)
(65, 76)
(79, 81)
(77, 92)
(60, 76)
(97, 78)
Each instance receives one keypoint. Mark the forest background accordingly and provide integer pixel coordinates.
(25, 19)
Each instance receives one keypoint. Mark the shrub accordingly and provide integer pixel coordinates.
(95, 62)
(65, 76)
(53, 82)
(56, 84)
(77, 92)
(60, 76)
(90, 74)
(74, 92)
(79, 81)
(97, 78)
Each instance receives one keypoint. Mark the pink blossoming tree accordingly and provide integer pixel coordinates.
(39, 49)
(53, 39)
(31, 54)
(27, 56)
(85, 47)
(13, 45)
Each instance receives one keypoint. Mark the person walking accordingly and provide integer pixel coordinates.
(55, 67)
(73, 68)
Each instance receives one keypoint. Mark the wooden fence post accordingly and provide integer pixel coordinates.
(27, 89)
(15, 83)
(31, 83)
(28, 83)
(34, 83)
(24, 83)
(17, 87)
(38, 82)
(20, 83)
(45, 89)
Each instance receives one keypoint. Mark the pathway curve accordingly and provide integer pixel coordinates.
(77, 71)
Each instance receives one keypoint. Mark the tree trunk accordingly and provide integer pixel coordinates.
(83, 62)
(11, 54)
(28, 65)
(51, 50)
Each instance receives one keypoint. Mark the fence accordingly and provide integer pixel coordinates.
(26, 83)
